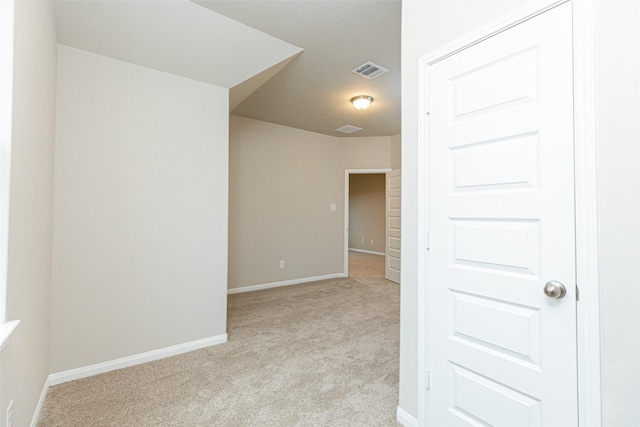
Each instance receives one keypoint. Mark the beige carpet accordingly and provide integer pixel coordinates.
(316, 354)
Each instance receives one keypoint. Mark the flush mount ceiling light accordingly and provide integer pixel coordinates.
(361, 102)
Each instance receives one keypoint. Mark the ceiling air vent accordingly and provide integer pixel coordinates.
(370, 70)
(348, 129)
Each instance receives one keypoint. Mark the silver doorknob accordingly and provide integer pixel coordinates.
(554, 289)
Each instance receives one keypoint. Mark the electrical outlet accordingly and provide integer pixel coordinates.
(9, 422)
(362, 240)
(372, 241)
(281, 264)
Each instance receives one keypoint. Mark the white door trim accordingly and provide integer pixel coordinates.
(588, 309)
(345, 229)
(586, 193)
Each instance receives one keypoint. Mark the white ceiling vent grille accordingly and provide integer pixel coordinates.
(348, 129)
(370, 70)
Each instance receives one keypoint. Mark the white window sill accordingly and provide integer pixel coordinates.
(6, 329)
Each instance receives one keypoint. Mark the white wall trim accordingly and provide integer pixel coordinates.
(367, 252)
(283, 283)
(586, 194)
(405, 418)
(345, 229)
(588, 308)
(43, 395)
(136, 359)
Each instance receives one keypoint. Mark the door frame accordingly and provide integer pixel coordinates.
(586, 199)
(345, 229)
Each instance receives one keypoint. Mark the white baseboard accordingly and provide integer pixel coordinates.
(284, 283)
(405, 419)
(136, 359)
(367, 252)
(43, 395)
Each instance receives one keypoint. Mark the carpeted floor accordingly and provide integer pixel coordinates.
(316, 354)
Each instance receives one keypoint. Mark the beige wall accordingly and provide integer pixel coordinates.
(396, 151)
(140, 211)
(367, 212)
(429, 25)
(372, 152)
(25, 359)
(618, 84)
(282, 183)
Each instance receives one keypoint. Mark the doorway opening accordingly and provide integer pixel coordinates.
(367, 207)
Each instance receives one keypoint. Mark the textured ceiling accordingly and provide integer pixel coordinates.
(313, 91)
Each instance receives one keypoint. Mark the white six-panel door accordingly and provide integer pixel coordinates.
(392, 264)
(501, 213)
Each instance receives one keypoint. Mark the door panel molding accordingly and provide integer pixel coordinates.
(393, 256)
(588, 312)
